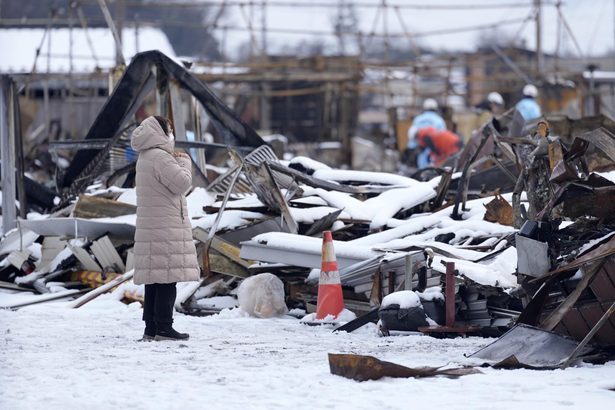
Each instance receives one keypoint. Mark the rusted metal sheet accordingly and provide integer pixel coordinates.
(363, 368)
(602, 139)
(528, 347)
(580, 200)
(499, 210)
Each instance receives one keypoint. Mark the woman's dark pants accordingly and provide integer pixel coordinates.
(159, 303)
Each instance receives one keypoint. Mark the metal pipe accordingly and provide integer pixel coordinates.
(450, 294)
(7, 143)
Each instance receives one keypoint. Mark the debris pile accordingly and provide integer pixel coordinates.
(515, 231)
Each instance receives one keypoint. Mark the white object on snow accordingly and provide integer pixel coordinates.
(405, 299)
(344, 317)
(262, 296)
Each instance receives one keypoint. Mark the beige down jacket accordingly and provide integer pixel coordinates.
(164, 250)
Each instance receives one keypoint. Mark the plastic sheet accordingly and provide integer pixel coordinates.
(262, 296)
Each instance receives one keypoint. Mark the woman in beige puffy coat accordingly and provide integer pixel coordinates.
(164, 249)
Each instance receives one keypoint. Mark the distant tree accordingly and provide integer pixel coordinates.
(305, 48)
(400, 49)
(499, 38)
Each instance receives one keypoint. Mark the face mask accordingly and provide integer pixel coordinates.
(172, 137)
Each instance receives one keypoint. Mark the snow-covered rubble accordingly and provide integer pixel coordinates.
(49, 358)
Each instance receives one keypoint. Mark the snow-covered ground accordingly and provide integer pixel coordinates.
(55, 358)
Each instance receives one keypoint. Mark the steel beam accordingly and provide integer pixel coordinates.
(7, 137)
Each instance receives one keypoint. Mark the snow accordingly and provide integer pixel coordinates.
(309, 200)
(36, 251)
(197, 200)
(219, 302)
(51, 267)
(380, 209)
(384, 178)
(308, 244)
(309, 163)
(433, 293)
(309, 215)
(52, 357)
(344, 316)
(610, 175)
(229, 220)
(405, 299)
(500, 272)
(129, 197)
(130, 219)
(590, 244)
(251, 200)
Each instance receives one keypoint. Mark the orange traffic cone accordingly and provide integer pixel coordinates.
(330, 298)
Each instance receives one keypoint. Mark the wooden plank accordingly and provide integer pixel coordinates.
(88, 297)
(90, 207)
(36, 299)
(230, 251)
(223, 265)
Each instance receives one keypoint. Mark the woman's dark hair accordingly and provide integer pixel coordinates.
(164, 123)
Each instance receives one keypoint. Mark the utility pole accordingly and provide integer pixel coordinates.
(265, 99)
(264, 27)
(120, 15)
(539, 56)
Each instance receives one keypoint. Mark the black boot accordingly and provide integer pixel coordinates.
(150, 330)
(165, 331)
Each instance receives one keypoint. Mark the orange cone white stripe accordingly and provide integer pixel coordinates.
(330, 298)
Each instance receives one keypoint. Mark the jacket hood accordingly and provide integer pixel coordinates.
(149, 134)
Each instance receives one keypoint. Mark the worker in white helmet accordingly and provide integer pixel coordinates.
(494, 104)
(528, 107)
(429, 118)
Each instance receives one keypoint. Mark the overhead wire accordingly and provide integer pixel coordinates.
(333, 5)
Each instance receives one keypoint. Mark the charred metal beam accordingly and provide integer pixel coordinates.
(129, 93)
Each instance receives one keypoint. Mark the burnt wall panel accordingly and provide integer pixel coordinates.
(592, 313)
(602, 286)
(575, 324)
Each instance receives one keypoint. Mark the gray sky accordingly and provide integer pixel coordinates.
(591, 21)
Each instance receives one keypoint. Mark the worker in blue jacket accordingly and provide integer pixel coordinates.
(429, 118)
(528, 107)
